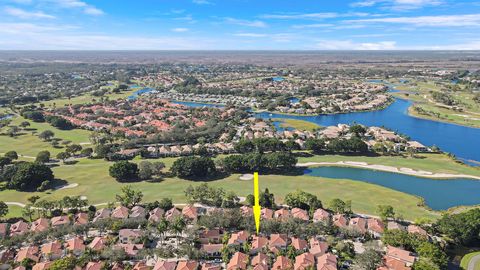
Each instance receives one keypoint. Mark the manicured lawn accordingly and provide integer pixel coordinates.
(28, 144)
(466, 260)
(296, 124)
(420, 94)
(95, 183)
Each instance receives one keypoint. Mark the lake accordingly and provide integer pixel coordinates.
(438, 194)
(462, 141)
(139, 92)
(198, 105)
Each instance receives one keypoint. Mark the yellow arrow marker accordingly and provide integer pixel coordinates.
(256, 207)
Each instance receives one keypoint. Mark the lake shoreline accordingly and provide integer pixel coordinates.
(385, 168)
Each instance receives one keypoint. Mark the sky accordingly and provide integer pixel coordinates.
(239, 25)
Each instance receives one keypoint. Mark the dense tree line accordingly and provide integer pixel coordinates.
(212, 196)
(303, 200)
(337, 145)
(260, 145)
(26, 176)
(193, 167)
(462, 228)
(258, 162)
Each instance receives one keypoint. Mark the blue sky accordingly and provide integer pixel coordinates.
(239, 24)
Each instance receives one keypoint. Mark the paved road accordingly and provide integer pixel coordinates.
(474, 261)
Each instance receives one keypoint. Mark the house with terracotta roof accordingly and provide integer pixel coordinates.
(190, 212)
(261, 258)
(393, 225)
(282, 214)
(52, 250)
(18, 228)
(187, 265)
(129, 235)
(321, 215)
(304, 261)
(317, 247)
(340, 221)
(210, 236)
(137, 212)
(60, 221)
(282, 263)
(80, 218)
(156, 214)
(165, 265)
(130, 249)
(238, 238)
(30, 252)
(358, 224)
(102, 214)
(416, 230)
(258, 243)
(375, 227)
(172, 214)
(98, 243)
(75, 245)
(212, 250)
(94, 266)
(42, 266)
(298, 243)
(120, 212)
(327, 261)
(141, 266)
(40, 225)
(278, 240)
(238, 261)
(266, 213)
(397, 258)
(300, 214)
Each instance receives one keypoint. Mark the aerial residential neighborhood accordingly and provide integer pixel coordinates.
(239, 135)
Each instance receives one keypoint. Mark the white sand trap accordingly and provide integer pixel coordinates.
(246, 177)
(74, 185)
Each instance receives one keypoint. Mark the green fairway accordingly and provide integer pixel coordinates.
(28, 144)
(296, 124)
(95, 183)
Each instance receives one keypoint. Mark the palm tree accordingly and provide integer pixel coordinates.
(177, 227)
(162, 227)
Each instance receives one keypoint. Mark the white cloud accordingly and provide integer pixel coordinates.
(93, 11)
(254, 35)
(179, 30)
(254, 23)
(300, 16)
(432, 21)
(76, 4)
(316, 25)
(23, 14)
(469, 45)
(398, 4)
(21, 29)
(351, 45)
(202, 2)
